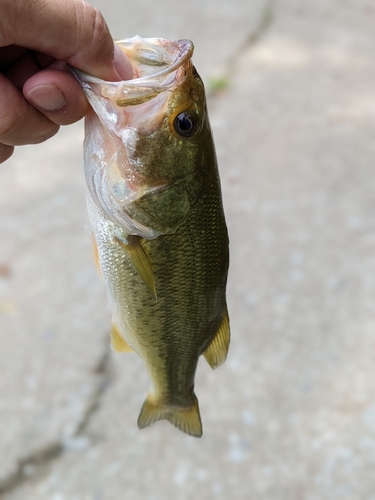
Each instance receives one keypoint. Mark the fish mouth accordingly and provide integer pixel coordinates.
(124, 110)
(155, 58)
(156, 63)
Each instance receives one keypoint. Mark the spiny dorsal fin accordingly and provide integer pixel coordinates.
(118, 343)
(187, 420)
(140, 261)
(216, 353)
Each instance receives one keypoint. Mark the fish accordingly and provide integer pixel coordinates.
(155, 206)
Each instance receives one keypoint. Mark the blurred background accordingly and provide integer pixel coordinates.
(291, 414)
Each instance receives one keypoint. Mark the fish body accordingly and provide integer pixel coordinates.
(154, 203)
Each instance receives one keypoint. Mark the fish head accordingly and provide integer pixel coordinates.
(147, 139)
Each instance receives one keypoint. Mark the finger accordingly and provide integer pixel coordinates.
(5, 152)
(20, 122)
(42, 59)
(57, 94)
(10, 54)
(21, 70)
(69, 30)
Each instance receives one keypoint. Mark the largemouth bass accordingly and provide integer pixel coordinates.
(154, 203)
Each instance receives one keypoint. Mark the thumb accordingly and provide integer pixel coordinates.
(70, 30)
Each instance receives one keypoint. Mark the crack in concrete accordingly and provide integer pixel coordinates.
(265, 21)
(33, 465)
(27, 465)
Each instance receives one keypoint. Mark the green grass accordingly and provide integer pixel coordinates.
(219, 83)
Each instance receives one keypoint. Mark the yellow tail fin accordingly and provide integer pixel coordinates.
(187, 420)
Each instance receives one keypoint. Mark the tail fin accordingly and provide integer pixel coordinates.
(187, 420)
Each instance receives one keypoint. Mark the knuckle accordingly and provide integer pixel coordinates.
(5, 152)
(9, 126)
(20, 122)
(99, 35)
(46, 133)
(16, 130)
(100, 29)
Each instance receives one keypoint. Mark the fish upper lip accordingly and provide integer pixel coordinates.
(184, 51)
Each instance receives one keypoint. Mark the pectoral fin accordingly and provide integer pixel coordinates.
(187, 420)
(118, 343)
(216, 352)
(96, 254)
(140, 261)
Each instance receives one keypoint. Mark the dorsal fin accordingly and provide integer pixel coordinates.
(217, 351)
(139, 259)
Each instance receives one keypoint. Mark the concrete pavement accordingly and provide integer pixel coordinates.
(291, 415)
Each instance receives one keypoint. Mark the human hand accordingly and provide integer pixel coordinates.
(38, 38)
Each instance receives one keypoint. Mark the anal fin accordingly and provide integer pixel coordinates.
(187, 420)
(118, 343)
(217, 351)
(140, 261)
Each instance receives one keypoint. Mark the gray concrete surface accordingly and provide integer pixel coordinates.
(291, 415)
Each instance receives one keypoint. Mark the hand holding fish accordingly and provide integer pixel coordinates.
(37, 92)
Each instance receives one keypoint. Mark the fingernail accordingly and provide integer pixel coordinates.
(47, 97)
(122, 64)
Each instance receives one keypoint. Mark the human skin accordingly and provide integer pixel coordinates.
(38, 39)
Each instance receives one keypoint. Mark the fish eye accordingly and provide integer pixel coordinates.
(185, 124)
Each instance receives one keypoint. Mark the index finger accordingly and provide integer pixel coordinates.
(69, 30)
